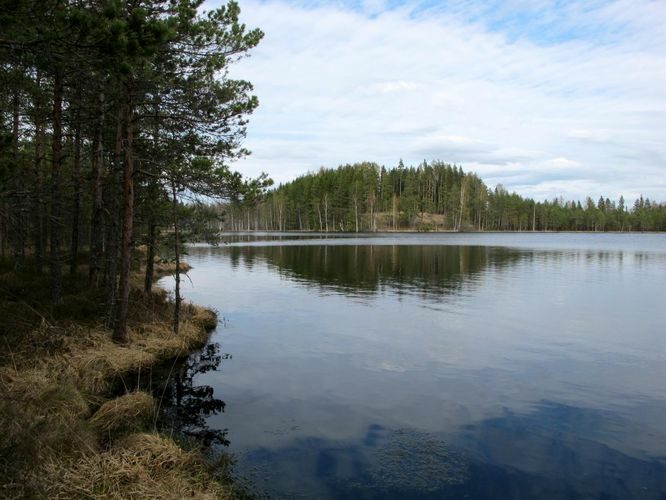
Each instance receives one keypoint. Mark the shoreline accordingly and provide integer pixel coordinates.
(415, 231)
(64, 433)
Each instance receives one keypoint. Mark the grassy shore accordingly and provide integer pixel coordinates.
(164, 268)
(63, 434)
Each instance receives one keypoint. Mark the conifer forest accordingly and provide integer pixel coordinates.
(432, 196)
(114, 117)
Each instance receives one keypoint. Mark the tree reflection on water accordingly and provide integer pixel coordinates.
(184, 406)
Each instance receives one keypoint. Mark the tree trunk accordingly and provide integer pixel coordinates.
(373, 222)
(2, 234)
(280, 208)
(21, 222)
(176, 309)
(97, 221)
(462, 203)
(38, 231)
(326, 212)
(150, 258)
(56, 222)
(112, 236)
(356, 212)
(120, 333)
(76, 208)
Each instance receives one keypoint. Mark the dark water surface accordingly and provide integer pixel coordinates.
(436, 366)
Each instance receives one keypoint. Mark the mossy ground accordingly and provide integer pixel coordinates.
(62, 435)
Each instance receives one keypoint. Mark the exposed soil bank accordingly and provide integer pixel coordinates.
(61, 433)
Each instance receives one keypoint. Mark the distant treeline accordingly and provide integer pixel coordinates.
(429, 197)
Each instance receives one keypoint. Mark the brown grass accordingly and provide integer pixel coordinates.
(140, 466)
(61, 437)
(131, 412)
(40, 418)
(88, 358)
(164, 268)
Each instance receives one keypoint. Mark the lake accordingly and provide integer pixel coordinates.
(434, 365)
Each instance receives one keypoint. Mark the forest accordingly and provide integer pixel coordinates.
(115, 116)
(432, 196)
(119, 124)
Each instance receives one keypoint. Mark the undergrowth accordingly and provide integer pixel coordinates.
(62, 434)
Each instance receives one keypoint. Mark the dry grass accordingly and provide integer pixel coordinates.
(88, 358)
(164, 268)
(202, 317)
(54, 377)
(40, 419)
(140, 466)
(103, 364)
(129, 413)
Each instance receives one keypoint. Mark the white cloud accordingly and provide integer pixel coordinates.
(581, 115)
(392, 87)
(373, 7)
(562, 162)
(589, 135)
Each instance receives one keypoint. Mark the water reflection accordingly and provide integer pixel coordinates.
(542, 454)
(465, 371)
(274, 237)
(403, 463)
(369, 268)
(431, 271)
(553, 452)
(186, 405)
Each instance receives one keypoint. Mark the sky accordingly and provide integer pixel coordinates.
(549, 98)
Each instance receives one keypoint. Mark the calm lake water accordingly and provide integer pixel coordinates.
(434, 365)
